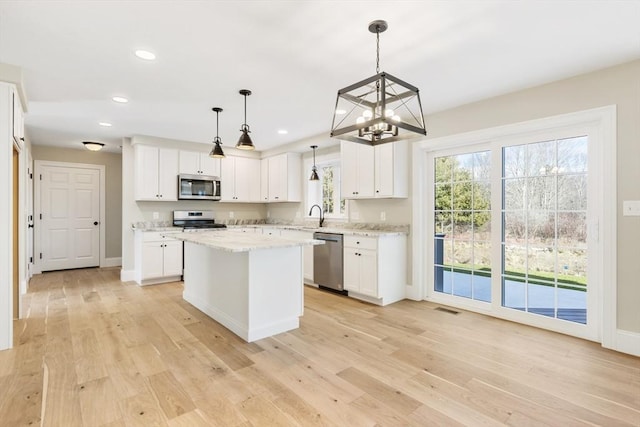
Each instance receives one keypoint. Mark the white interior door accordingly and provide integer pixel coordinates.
(70, 215)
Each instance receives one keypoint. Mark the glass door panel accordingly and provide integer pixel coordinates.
(544, 204)
(462, 225)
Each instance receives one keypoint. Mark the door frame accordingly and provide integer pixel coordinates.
(603, 122)
(37, 208)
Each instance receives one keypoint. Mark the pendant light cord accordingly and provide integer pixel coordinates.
(217, 126)
(378, 52)
(245, 111)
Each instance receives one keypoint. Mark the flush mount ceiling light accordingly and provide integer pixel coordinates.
(93, 146)
(372, 110)
(314, 169)
(105, 124)
(120, 99)
(245, 143)
(217, 152)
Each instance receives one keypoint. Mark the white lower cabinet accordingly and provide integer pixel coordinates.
(375, 268)
(158, 258)
(307, 252)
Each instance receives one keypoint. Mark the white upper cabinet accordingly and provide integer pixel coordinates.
(18, 117)
(391, 170)
(264, 180)
(240, 179)
(155, 173)
(284, 177)
(197, 163)
(357, 171)
(375, 172)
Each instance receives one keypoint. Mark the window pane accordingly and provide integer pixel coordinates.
(514, 161)
(442, 169)
(572, 229)
(572, 155)
(481, 195)
(541, 193)
(443, 197)
(514, 227)
(572, 192)
(514, 193)
(541, 227)
(481, 165)
(541, 158)
(462, 167)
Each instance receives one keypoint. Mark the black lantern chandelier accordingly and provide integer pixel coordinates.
(314, 169)
(373, 110)
(245, 143)
(216, 151)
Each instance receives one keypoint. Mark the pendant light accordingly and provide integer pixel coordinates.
(245, 143)
(314, 169)
(216, 151)
(373, 110)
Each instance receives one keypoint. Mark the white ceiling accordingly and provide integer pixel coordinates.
(293, 55)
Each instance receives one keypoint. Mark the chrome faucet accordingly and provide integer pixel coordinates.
(321, 215)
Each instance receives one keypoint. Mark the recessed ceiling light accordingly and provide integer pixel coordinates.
(120, 99)
(283, 131)
(145, 54)
(105, 124)
(340, 112)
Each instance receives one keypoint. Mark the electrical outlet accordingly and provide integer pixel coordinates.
(232, 215)
(383, 216)
(156, 215)
(631, 208)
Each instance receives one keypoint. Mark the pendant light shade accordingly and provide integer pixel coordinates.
(314, 169)
(216, 151)
(373, 110)
(245, 143)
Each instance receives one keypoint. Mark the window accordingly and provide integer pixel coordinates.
(326, 192)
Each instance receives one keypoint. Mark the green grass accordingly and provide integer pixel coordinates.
(543, 279)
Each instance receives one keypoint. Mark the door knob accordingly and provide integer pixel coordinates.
(95, 222)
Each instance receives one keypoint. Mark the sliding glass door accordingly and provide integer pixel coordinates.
(509, 228)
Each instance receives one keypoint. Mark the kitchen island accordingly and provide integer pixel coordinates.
(250, 283)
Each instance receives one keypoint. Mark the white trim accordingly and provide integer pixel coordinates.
(6, 218)
(37, 208)
(626, 342)
(601, 122)
(111, 262)
(127, 275)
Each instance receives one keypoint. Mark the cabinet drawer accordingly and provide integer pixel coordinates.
(361, 242)
(154, 236)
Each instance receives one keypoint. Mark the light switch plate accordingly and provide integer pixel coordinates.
(232, 215)
(383, 216)
(631, 208)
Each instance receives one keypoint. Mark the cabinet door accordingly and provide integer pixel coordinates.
(351, 269)
(349, 169)
(168, 174)
(228, 179)
(365, 171)
(189, 162)
(384, 170)
(368, 272)
(172, 258)
(278, 178)
(208, 165)
(152, 260)
(247, 179)
(146, 173)
(264, 180)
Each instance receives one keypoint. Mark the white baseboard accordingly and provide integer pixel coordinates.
(627, 342)
(112, 262)
(413, 293)
(127, 275)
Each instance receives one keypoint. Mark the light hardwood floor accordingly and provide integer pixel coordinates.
(95, 351)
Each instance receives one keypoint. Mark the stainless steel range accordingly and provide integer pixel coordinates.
(195, 220)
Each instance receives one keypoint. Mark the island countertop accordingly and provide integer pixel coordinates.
(236, 241)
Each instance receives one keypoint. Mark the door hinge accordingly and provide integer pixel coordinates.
(40, 216)
(40, 177)
(31, 259)
(40, 255)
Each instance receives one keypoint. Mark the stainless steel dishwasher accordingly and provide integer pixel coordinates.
(328, 261)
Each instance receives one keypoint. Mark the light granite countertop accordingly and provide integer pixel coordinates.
(338, 230)
(235, 241)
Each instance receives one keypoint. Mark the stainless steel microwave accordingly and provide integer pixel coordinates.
(198, 187)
